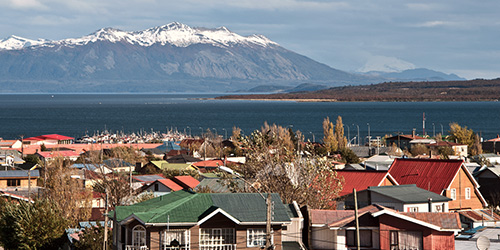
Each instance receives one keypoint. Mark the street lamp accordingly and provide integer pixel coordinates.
(225, 133)
(442, 133)
(314, 139)
(369, 137)
(215, 131)
(357, 138)
(348, 135)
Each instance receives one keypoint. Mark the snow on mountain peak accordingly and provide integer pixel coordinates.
(16, 42)
(176, 34)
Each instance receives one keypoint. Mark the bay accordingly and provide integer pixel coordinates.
(77, 114)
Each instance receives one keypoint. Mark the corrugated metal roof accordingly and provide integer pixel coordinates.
(187, 181)
(148, 178)
(360, 179)
(442, 220)
(409, 193)
(19, 173)
(170, 184)
(429, 174)
(186, 207)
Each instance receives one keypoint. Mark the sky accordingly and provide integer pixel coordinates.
(451, 36)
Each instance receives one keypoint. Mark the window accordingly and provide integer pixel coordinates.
(13, 182)
(413, 209)
(138, 236)
(406, 240)
(453, 194)
(365, 238)
(176, 239)
(467, 193)
(156, 187)
(217, 239)
(257, 237)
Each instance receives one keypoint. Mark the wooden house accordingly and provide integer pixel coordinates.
(449, 178)
(185, 220)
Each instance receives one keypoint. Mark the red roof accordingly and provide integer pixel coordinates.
(49, 137)
(210, 163)
(186, 181)
(495, 139)
(360, 179)
(442, 220)
(429, 174)
(170, 184)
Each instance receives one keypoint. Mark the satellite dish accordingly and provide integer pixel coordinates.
(483, 243)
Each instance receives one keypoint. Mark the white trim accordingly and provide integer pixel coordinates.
(387, 175)
(413, 220)
(218, 210)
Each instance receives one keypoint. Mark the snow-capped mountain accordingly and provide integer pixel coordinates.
(173, 57)
(176, 34)
(16, 42)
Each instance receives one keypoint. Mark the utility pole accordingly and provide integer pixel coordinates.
(269, 244)
(357, 219)
(105, 242)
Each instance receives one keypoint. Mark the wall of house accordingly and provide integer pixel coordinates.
(386, 182)
(460, 183)
(24, 182)
(324, 238)
(432, 239)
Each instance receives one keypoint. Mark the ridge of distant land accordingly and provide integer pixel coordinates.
(471, 90)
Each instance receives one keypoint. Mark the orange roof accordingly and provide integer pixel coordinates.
(495, 139)
(186, 181)
(170, 184)
(209, 163)
(65, 153)
(429, 174)
(442, 220)
(361, 179)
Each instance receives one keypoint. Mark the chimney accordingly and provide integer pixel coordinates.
(413, 133)
(430, 204)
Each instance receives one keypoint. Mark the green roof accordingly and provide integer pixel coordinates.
(188, 207)
(408, 193)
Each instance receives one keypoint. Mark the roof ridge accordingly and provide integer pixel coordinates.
(176, 204)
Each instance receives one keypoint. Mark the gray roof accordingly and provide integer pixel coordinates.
(216, 186)
(19, 173)
(408, 193)
(148, 178)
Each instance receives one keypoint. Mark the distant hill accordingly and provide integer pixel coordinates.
(168, 58)
(472, 90)
(418, 74)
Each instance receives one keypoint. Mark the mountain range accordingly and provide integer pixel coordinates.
(169, 58)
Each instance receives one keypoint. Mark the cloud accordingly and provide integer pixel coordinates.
(431, 24)
(276, 4)
(24, 4)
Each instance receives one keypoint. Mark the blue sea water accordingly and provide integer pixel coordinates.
(77, 114)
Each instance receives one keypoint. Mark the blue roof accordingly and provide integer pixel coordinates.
(19, 173)
(90, 167)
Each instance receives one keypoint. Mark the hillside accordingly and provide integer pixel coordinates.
(473, 90)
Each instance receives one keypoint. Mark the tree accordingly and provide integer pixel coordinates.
(445, 152)
(68, 193)
(339, 134)
(273, 165)
(93, 238)
(28, 225)
(419, 149)
(349, 156)
(329, 138)
(117, 187)
(461, 134)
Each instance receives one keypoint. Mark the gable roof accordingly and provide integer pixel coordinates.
(62, 153)
(337, 218)
(209, 163)
(182, 158)
(186, 181)
(430, 174)
(49, 137)
(168, 183)
(19, 174)
(408, 194)
(362, 179)
(148, 178)
(188, 208)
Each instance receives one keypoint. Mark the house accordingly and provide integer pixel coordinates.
(52, 139)
(379, 228)
(449, 178)
(147, 178)
(13, 144)
(199, 221)
(479, 218)
(161, 187)
(97, 168)
(18, 178)
(459, 149)
(119, 165)
(158, 166)
(186, 181)
(402, 141)
(491, 145)
(489, 181)
(362, 179)
(403, 198)
(182, 158)
(208, 165)
(9, 158)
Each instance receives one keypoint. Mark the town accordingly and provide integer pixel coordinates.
(270, 189)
